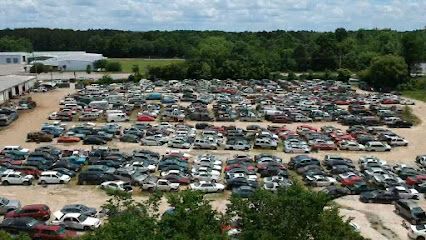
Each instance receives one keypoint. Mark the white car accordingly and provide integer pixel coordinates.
(397, 141)
(207, 187)
(377, 147)
(405, 193)
(16, 178)
(205, 176)
(351, 146)
(417, 232)
(76, 221)
(196, 169)
(54, 177)
(15, 148)
(117, 185)
(320, 180)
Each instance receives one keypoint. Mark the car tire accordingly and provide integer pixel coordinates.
(27, 183)
(420, 238)
(86, 228)
(61, 182)
(370, 201)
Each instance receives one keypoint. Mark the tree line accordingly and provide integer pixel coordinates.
(216, 54)
(290, 214)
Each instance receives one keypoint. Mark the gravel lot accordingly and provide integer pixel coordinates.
(377, 221)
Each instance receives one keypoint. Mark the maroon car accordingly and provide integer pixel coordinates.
(36, 211)
(56, 232)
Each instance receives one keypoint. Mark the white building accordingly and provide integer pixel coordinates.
(14, 85)
(63, 61)
(13, 57)
(69, 61)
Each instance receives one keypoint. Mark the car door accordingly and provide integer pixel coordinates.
(15, 179)
(68, 222)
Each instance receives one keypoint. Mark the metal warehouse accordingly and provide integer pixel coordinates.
(14, 85)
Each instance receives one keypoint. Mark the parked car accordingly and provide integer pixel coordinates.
(243, 191)
(378, 196)
(117, 186)
(16, 178)
(207, 187)
(39, 137)
(19, 225)
(37, 211)
(76, 221)
(7, 205)
(411, 211)
(53, 177)
(79, 208)
(48, 232)
(377, 147)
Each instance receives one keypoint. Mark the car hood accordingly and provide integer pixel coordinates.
(14, 203)
(91, 221)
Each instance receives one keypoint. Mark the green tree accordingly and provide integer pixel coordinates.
(413, 47)
(290, 214)
(39, 68)
(89, 69)
(343, 74)
(113, 67)
(386, 72)
(341, 34)
(6, 236)
(135, 69)
(301, 56)
(100, 64)
(291, 76)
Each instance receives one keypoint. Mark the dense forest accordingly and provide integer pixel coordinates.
(230, 54)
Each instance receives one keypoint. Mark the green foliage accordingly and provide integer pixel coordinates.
(106, 79)
(413, 48)
(291, 76)
(386, 72)
(12, 44)
(172, 71)
(113, 67)
(100, 64)
(39, 68)
(343, 74)
(408, 115)
(135, 69)
(295, 213)
(89, 69)
(6, 236)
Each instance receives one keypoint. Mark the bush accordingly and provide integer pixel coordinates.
(113, 67)
(343, 74)
(39, 68)
(100, 64)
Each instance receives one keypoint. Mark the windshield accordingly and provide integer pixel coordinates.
(4, 201)
(82, 218)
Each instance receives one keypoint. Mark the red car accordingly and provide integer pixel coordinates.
(28, 170)
(350, 180)
(177, 179)
(239, 165)
(68, 139)
(36, 211)
(415, 180)
(145, 118)
(54, 232)
(341, 102)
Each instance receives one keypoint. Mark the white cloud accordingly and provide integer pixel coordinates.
(228, 15)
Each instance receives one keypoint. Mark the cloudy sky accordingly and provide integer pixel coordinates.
(228, 15)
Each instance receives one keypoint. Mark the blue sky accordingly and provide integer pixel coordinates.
(227, 15)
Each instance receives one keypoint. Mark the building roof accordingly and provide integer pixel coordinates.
(9, 81)
(12, 53)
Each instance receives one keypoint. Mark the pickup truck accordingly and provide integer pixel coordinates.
(161, 185)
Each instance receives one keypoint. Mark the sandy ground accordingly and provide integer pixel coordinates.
(377, 221)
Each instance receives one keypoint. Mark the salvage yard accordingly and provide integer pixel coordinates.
(376, 221)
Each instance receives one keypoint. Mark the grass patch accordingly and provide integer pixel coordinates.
(408, 115)
(416, 94)
(143, 63)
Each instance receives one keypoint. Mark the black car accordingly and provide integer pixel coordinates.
(401, 124)
(240, 181)
(335, 192)
(94, 178)
(358, 188)
(65, 171)
(66, 164)
(79, 208)
(19, 225)
(131, 138)
(93, 140)
(378, 196)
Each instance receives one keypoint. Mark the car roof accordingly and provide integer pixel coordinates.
(32, 206)
(49, 172)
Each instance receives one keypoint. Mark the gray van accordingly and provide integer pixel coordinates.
(411, 211)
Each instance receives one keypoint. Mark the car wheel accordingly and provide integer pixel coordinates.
(42, 182)
(5, 183)
(397, 211)
(61, 182)
(27, 183)
(86, 228)
(370, 201)
(420, 238)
